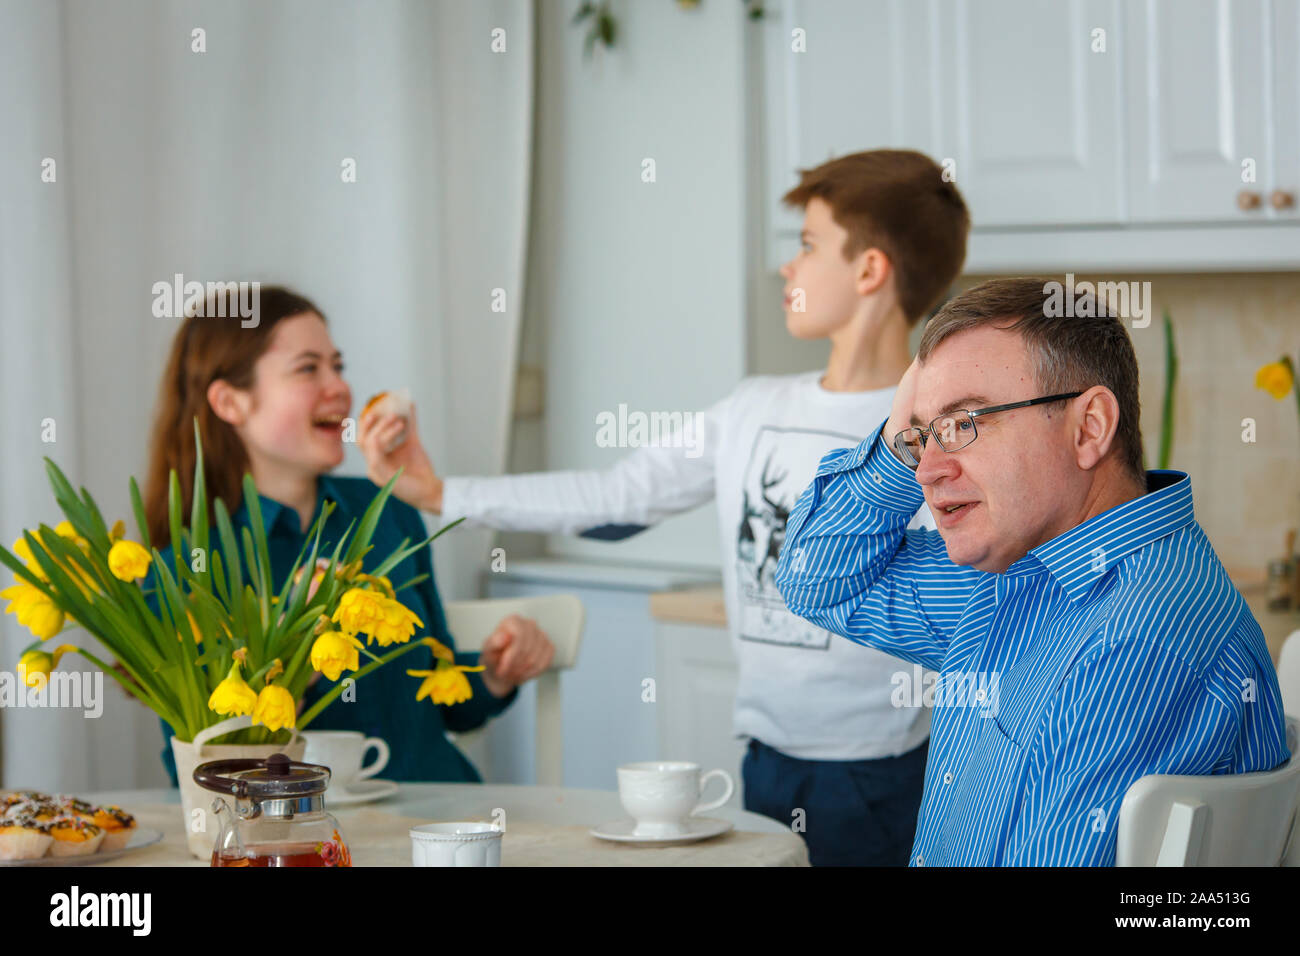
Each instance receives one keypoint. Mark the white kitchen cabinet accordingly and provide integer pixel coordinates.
(1028, 111)
(1071, 157)
(1198, 108)
(1282, 182)
(840, 73)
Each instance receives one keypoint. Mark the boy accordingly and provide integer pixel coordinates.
(884, 236)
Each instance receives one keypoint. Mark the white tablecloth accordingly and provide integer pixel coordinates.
(544, 826)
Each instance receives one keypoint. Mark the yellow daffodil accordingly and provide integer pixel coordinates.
(34, 610)
(440, 650)
(117, 532)
(380, 582)
(380, 618)
(82, 578)
(64, 529)
(128, 561)
(333, 652)
(1275, 378)
(35, 663)
(275, 708)
(233, 697)
(446, 684)
(23, 551)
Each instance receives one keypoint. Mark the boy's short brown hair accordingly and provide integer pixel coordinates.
(897, 201)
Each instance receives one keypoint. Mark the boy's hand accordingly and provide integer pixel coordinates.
(419, 485)
(900, 415)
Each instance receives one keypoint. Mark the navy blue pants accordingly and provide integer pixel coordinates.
(856, 812)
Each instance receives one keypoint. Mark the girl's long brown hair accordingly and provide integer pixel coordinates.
(208, 347)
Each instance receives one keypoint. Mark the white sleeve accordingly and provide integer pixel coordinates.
(673, 472)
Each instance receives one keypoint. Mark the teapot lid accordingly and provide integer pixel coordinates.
(275, 778)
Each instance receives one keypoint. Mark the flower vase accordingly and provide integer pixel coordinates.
(201, 825)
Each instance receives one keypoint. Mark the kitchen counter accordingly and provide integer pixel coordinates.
(706, 606)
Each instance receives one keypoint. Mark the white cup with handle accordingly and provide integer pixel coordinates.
(343, 751)
(456, 844)
(661, 794)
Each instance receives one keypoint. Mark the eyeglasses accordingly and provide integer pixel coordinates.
(956, 429)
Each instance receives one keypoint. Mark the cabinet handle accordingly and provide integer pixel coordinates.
(1281, 199)
(1248, 199)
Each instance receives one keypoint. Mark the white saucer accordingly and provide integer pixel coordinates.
(693, 828)
(360, 791)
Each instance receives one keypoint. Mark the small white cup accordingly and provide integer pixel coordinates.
(456, 844)
(343, 751)
(660, 794)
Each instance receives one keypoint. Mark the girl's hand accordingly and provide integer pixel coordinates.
(518, 650)
(419, 485)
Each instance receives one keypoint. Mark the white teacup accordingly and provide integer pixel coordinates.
(343, 751)
(456, 844)
(660, 794)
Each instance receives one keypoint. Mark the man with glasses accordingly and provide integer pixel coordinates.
(1075, 592)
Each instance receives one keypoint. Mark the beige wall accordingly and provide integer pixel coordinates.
(1225, 327)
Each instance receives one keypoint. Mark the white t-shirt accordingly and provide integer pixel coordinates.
(802, 690)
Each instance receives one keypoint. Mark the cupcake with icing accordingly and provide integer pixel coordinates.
(118, 826)
(24, 837)
(74, 836)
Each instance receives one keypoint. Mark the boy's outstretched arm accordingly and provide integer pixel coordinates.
(850, 564)
(649, 484)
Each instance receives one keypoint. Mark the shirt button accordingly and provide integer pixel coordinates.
(947, 777)
(920, 860)
(979, 694)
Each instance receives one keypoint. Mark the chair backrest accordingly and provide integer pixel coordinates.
(1288, 674)
(1241, 819)
(561, 616)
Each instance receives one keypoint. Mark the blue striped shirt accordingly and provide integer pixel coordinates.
(1115, 650)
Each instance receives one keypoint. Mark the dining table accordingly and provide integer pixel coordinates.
(543, 826)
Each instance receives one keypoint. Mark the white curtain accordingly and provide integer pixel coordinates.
(226, 164)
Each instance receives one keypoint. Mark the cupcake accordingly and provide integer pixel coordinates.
(74, 806)
(28, 803)
(118, 827)
(386, 403)
(74, 836)
(24, 838)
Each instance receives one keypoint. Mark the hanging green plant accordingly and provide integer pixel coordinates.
(1167, 407)
(602, 27)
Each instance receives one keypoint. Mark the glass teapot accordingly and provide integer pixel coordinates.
(279, 816)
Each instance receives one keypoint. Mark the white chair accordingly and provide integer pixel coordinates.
(1288, 674)
(1243, 819)
(561, 616)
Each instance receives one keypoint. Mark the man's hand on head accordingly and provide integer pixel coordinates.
(900, 415)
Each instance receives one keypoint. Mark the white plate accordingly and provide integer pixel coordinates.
(143, 836)
(693, 828)
(361, 791)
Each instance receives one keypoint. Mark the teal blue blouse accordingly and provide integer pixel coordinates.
(385, 704)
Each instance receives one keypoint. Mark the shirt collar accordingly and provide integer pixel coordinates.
(275, 512)
(1087, 551)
